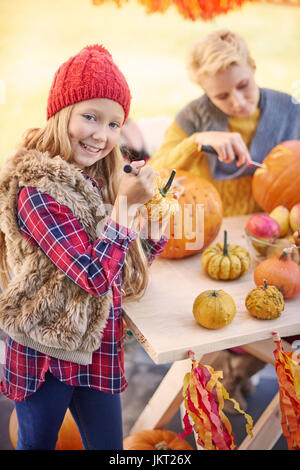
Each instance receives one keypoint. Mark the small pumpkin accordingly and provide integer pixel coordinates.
(155, 439)
(279, 181)
(265, 302)
(280, 271)
(281, 243)
(189, 233)
(214, 309)
(225, 261)
(163, 204)
(68, 437)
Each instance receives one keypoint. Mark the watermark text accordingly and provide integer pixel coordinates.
(2, 92)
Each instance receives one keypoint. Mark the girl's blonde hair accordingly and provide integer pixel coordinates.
(215, 53)
(53, 138)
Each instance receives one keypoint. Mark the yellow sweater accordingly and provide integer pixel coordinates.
(179, 151)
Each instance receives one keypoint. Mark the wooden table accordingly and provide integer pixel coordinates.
(163, 323)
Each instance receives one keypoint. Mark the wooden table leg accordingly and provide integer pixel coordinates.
(167, 398)
(267, 429)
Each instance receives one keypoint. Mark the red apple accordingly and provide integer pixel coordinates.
(295, 217)
(263, 228)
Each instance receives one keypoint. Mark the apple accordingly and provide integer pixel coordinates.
(264, 229)
(296, 238)
(282, 215)
(295, 217)
(291, 238)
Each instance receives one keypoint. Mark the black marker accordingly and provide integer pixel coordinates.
(129, 169)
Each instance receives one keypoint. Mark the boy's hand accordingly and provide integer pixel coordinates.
(227, 146)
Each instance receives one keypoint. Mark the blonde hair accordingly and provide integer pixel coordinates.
(53, 138)
(216, 53)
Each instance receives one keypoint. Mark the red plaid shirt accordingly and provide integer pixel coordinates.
(94, 266)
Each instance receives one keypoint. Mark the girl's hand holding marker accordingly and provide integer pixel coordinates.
(135, 189)
(163, 202)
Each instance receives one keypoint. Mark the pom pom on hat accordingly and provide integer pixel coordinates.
(99, 48)
(89, 74)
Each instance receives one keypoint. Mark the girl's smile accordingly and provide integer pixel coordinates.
(94, 130)
(90, 149)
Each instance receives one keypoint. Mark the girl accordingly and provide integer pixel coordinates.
(66, 263)
(236, 118)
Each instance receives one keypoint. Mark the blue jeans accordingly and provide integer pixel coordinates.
(98, 416)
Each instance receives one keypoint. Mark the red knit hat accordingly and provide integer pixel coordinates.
(91, 73)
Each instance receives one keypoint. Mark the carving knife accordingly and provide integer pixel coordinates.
(209, 149)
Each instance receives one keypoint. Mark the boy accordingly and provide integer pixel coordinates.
(236, 118)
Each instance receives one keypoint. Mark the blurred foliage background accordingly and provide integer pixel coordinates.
(37, 36)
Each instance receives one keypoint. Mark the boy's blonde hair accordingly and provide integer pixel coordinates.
(215, 53)
(53, 138)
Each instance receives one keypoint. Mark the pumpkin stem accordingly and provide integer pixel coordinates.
(286, 253)
(163, 191)
(214, 293)
(265, 284)
(162, 445)
(225, 248)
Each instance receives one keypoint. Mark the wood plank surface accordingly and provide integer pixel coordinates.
(163, 321)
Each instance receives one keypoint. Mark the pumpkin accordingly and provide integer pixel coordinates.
(155, 439)
(281, 243)
(278, 183)
(163, 204)
(225, 261)
(68, 436)
(265, 302)
(198, 221)
(214, 309)
(280, 271)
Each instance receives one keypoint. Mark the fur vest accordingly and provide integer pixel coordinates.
(42, 308)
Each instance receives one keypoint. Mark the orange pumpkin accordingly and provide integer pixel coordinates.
(155, 439)
(68, 436)
(278, 183)
(280, 271)
(199, 219)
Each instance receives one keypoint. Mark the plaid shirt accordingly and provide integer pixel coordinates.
(94, 266)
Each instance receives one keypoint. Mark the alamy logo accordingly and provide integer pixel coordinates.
(296, 351)
(296, 92)
(2, 92)
(2, 351)
(188, 223)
